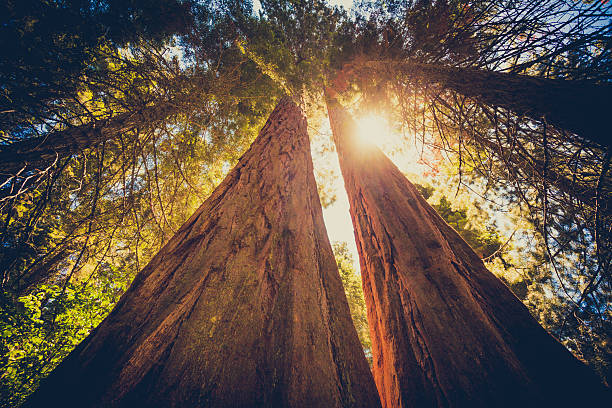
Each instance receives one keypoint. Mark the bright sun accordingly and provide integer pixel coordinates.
(374, 130)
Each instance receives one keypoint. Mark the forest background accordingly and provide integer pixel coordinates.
(118, 118)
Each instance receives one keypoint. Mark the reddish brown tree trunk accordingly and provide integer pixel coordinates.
(445, 331)
(243, 307)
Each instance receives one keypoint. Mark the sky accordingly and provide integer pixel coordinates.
(337, 217)
(375, 131)
(347, 4)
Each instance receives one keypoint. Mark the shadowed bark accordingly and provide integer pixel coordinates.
(578, 106)
(244, 307)
(445, 331)
(42, 151)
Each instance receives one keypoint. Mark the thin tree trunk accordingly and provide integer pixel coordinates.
(519, 158)
(445, 331)
(243, 307)
(579, 106)
(42, 151)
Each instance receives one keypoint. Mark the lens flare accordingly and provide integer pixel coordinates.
(407, 153)
(374, 130)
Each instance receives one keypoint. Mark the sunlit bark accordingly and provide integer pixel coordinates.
(445, 331)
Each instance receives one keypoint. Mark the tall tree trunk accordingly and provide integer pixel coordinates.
(445, 331)
(243, 307)
(581, 107)
(42, 151)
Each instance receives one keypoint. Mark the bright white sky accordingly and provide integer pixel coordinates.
(338, 220)
(373, 130)
(347, 4)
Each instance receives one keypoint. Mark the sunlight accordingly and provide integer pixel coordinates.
(374, 130)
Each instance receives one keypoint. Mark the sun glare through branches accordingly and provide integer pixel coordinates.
(373, 130)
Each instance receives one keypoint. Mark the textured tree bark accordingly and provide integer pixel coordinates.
(244, 307)
(44, 150)
(445, 331)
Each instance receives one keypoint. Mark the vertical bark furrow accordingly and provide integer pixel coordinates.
(243, 307)
(445, 331)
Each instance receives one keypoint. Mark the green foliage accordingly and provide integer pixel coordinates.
(50, 49)
(484, 241)
(38, 331)
(351, 281)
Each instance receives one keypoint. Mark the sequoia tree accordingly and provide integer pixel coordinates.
(243, 307)
(78, 72)
(445, 331)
